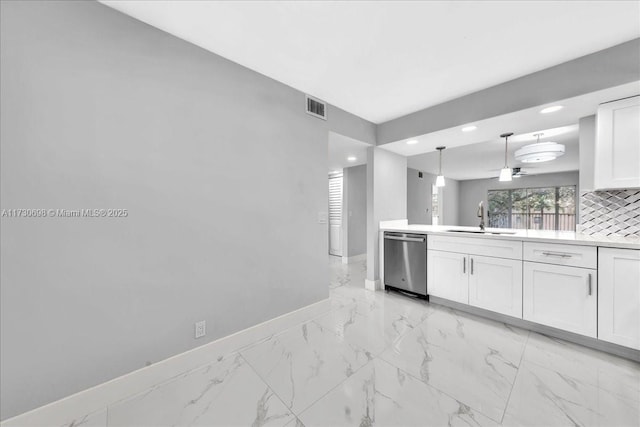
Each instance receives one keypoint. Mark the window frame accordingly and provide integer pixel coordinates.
(529, 190)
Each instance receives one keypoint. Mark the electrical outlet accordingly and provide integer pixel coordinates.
(201, 329)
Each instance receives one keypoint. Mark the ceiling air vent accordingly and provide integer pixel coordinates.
(316, 108)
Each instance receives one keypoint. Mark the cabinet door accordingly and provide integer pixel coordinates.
(618, 145)
(619, 296)
(447, 275)
(496, 284)
(560, 296)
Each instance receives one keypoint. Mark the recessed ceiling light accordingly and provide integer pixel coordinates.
(412, 141)
(352, 158)
(469, 128)
(551, 109)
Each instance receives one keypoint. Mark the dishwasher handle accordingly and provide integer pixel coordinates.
(405, 239)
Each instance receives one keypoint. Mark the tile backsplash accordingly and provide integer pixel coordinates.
(610, 213)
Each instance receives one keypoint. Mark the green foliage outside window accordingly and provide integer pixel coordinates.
(546, 208)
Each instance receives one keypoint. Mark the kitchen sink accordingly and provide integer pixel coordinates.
(481, 232)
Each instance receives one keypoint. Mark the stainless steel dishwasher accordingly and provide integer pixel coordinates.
(405, 262)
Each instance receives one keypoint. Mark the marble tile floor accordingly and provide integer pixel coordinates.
(389, 360)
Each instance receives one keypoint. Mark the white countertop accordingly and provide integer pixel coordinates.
(565, 237)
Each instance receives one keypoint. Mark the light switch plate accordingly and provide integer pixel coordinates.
(322, 217)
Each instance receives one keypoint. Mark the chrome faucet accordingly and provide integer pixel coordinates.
(481, 215)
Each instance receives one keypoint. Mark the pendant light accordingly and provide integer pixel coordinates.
(540, 151)
(505, 173)
(440, 178)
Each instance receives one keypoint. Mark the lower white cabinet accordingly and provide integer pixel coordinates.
(619, 296)
(496, 284)
(447, 275)
(562, 297)
(491, 283)
(582, 289)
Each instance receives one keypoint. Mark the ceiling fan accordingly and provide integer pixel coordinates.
(518, 172)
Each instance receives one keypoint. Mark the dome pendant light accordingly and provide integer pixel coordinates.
(440, 178)
(505, 173)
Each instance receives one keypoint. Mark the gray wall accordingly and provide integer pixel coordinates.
(451, 202)
(473, 191)
(419, 196)
(355, 209)
(386, 198)
(220, 169)
(610, 67)
(419, 199)
(587, 141)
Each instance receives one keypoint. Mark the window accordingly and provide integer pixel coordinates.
(547, 208)
(435, 205)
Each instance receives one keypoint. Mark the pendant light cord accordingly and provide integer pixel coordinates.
(506, 138)
(440, 163)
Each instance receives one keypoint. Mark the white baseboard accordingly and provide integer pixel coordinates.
(99, 397)
(355, 258)
(372, 285)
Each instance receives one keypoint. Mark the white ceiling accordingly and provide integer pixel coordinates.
(523, 121)
(480, 154)
(342, 147)
(485, 160)
(384, 59)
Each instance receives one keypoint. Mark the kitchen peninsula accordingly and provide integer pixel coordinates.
(581, 288)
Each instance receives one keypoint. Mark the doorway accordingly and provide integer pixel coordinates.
(335, 213)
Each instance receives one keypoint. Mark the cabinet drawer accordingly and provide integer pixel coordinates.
(553, 253)
(476, 246)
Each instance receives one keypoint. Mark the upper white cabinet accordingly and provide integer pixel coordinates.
(617, 153)
(619, 296)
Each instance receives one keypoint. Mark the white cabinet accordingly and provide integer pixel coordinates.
(559, 254)
(583, 289)
(496, 284)
(491, 283)
(477, 246)
(560, 296)
(619, 296)
(447, 275)
(617, 153)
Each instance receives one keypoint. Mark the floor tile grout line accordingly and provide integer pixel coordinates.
(387, 346)
(357, 347)
(515, 378)
(379, 356)
(436, 388)
(216, 360)
(268, 386)
(336, 386)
